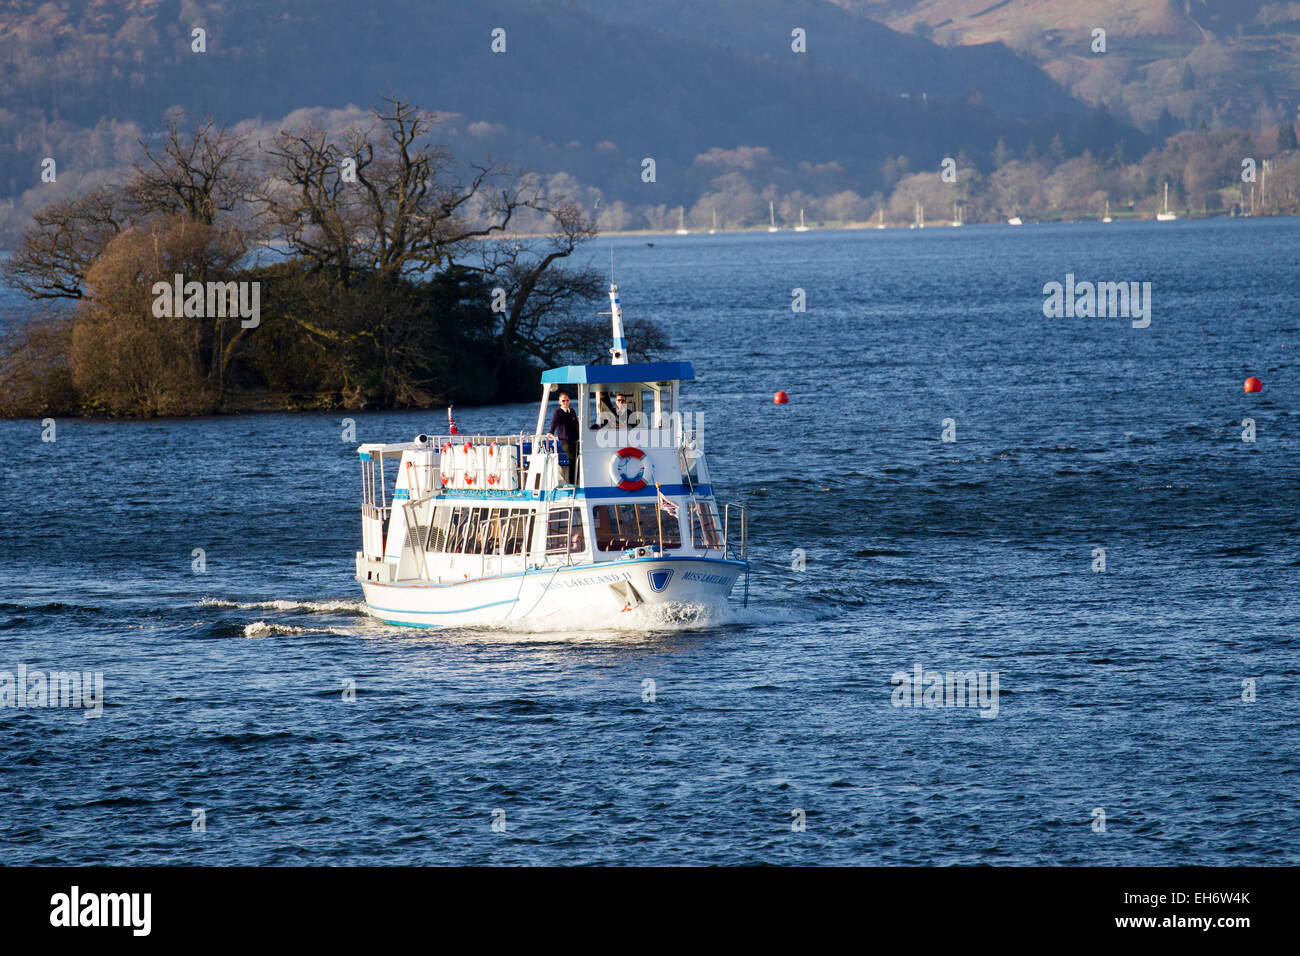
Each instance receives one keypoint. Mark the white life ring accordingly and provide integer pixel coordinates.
(630, 469)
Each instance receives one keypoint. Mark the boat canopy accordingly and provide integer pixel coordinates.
(618, 374)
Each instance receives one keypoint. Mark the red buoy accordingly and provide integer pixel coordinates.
(780, 398)
(1254, 385)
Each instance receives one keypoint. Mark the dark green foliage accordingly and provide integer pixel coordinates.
(380, 343)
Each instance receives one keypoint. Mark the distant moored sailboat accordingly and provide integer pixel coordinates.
(771, 212)
(1166, 215)
(801, 227)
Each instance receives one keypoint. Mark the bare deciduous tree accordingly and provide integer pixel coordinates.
(539, 291)
(409, 210)
(198, 174)
(53, 256)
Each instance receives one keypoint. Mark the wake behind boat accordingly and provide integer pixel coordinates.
(495, 529)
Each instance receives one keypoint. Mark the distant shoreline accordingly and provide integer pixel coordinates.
(873, 226)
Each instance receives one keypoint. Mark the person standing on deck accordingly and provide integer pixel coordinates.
(564, 426)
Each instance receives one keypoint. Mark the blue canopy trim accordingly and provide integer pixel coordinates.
(618, 374)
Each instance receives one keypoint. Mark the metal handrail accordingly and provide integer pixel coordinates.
(517, 438)
(727, 544)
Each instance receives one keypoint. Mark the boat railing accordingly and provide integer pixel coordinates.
(517, 438)
(734, 545)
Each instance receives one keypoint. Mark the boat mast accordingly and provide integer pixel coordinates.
(618, 354)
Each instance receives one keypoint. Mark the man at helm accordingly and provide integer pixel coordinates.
(622, 416)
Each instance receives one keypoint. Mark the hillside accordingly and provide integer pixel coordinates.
(573, 93)
(1219, 63)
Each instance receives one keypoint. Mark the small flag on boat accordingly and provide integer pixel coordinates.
(451, 423)
(666, 503)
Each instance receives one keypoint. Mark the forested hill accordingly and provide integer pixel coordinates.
(571, 93)
(1167, 64)
(852, 45)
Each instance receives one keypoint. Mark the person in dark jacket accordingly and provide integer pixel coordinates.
(622, 415)
(564, 426)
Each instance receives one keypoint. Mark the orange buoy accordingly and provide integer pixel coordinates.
(780, 398)
(1254, 385)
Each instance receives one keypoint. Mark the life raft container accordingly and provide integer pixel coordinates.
(475, 468)
(447, 465)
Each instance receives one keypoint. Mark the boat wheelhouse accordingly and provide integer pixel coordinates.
(488, 530)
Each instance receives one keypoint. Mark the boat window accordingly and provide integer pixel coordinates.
(459, 540)
(604, 413)
(480, 530)
(518, 530)
(504, 530)
(704, 526)
(633, 526)
(560, 529)
(491, 531)
(437, 540)
(665, 404)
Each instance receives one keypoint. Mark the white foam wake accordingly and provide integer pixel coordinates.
(262, 629)
(314, 607)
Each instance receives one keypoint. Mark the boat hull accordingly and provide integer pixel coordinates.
(600, 589)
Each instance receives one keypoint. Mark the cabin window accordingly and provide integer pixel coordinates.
(604, 413)
(504, 531)
(480, 530)
(633, 526)
(564, 531)
(490, 531)
(475, 530)
(437, 540)
(665, 404)
(519, 529)
(704, 526)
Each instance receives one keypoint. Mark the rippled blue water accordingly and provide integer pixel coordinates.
(1119, 690)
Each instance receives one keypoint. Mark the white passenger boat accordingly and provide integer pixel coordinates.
(483, 530)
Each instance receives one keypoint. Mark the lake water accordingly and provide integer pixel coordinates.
(1120, 691)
